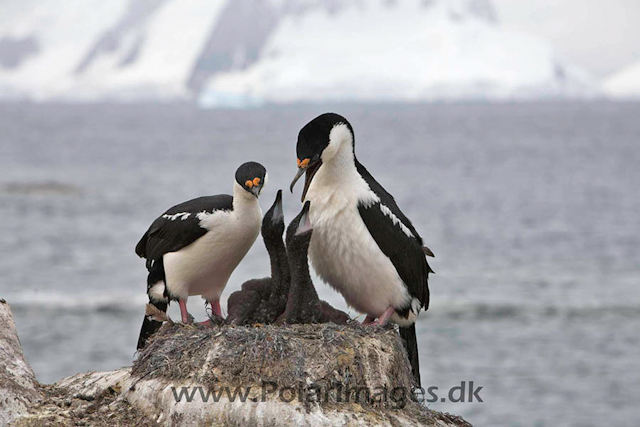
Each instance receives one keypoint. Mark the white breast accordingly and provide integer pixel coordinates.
(204, 267)
(342, 251)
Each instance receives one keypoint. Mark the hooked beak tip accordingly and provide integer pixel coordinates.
(296, 178)
(310, 169)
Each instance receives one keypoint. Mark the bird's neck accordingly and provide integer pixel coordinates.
(343, 161)
(279, 263)
(243, 201)
(300, 277)
(337, 171)
(338, 181)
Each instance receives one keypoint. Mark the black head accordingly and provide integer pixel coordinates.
(273, 220)
(252, 176)
(299, 230)
(318, 142)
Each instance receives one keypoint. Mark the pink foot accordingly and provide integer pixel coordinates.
(384, 319)
(183, 312)
(215, 308)
(368, 320)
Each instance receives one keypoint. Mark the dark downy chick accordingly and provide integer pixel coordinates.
(303, 304)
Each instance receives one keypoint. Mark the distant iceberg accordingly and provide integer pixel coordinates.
(399, 51)
(624, 83)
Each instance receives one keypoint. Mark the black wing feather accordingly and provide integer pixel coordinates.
(166, 235)
(386, 198)
(405, 252)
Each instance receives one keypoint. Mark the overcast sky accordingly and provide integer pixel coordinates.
(602, 36)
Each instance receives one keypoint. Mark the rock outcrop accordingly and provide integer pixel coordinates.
(19, 389)
(262, 375)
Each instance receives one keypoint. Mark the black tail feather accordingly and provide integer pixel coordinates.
(150, 326)
(408, 335)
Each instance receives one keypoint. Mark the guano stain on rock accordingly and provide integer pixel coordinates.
(224, 356)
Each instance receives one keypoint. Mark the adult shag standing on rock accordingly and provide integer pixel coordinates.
(362, 244)
(193, 247)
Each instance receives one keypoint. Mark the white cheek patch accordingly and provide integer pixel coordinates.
(396, 221)
(156, 292)
(340, 134)
(180, 215)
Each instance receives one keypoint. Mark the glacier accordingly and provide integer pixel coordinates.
(244, 53)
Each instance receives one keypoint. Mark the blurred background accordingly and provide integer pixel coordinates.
(507, 130)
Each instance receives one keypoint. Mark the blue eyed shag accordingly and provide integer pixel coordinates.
(363, 245)
(193, 247)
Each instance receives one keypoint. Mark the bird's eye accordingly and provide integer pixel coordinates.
(316, 157)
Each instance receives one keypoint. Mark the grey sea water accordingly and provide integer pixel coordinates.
(531, 209)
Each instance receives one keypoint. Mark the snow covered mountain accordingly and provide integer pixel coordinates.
(93, 49)
(244, 52)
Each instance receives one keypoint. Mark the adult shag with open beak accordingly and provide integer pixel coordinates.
(362, 243)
